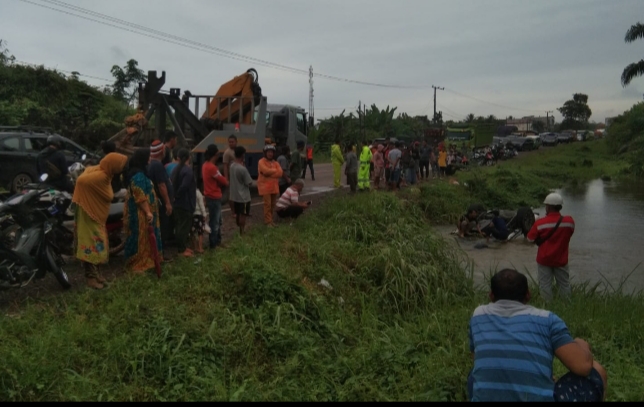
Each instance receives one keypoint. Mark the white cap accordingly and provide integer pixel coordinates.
(553, 200)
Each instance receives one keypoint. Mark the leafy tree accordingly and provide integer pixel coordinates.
(636, 68)
(538, 126)
(470, 118)
(576, 112)
(5, 57)
(126, 80)
(491, 119)
(626, 135)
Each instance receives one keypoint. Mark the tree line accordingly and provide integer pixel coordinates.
(37, 96)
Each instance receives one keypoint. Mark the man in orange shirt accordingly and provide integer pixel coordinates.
(309, 162)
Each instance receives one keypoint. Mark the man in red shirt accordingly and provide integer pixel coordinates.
(552, 234)
(213, 182)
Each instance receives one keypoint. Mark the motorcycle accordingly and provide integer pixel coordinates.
(32, 250)
(64, 213)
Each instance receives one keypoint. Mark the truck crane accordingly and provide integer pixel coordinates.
(237, 108)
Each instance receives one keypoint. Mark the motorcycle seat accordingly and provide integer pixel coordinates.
(116, 213)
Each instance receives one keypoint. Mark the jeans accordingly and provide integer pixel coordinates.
(352, 180)
(215, 221)
(560, 274)
(292, 212)
(410, 176)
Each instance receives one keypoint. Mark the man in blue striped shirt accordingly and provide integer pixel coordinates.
(514, 344)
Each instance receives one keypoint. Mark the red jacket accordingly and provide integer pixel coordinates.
(213, 181)
(554, 251)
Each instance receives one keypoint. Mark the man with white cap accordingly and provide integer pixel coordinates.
(552, 234)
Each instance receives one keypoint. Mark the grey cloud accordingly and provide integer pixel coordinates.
(518, 53)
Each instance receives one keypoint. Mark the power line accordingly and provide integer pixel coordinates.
(173, 39)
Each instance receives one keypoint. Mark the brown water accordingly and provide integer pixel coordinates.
(607, 246)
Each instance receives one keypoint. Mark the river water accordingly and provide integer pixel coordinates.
(607, 246)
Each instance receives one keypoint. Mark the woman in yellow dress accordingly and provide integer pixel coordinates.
(93, 195)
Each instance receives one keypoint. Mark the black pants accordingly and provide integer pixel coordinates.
(352, 181)
(182, 226)
(291, 212)
(309, 163)
(424, 169)
(167, 227)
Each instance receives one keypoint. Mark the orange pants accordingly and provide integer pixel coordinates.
(269, 207)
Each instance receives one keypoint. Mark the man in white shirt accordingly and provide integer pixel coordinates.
(288, 206)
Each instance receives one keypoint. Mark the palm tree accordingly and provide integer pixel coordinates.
(636, 68)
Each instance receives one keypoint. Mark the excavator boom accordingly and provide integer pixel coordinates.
(236, 100)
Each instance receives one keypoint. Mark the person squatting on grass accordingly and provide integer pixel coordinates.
(289, 205)
(240, 183)
(552, 234)
(513, 346)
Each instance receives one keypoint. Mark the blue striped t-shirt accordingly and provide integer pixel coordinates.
(514, 347)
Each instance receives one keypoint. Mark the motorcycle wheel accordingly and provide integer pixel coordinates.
(56, 269)
(117, 242)
(525, 219)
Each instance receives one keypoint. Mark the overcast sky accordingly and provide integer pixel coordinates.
(522, 54)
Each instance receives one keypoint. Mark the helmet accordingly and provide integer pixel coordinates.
(54, 140)
(553, 200)
(269, 147)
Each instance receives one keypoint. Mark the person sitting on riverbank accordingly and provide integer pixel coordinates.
(513, 346)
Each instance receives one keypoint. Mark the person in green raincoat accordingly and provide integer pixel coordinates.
(337, 159)
(364, 183)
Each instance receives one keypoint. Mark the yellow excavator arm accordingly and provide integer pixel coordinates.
(236, 100)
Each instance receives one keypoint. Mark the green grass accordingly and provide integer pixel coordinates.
(251, 322)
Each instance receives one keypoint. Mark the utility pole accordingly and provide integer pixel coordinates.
(311, 107)
(435, 89)
(360, 118)
(548, 119)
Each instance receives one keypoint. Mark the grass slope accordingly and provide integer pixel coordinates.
(251, 322)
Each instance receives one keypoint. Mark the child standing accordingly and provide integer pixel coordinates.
(199, 223)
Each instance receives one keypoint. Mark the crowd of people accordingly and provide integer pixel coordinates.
(164, 207)
(513, 344)
(392, 164)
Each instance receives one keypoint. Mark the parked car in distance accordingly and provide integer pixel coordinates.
(565, 137)
(521, 143)
(19, 149)
(536, 140)
(549, 139)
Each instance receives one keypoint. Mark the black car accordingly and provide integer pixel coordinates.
(19, 149)
(521, 143)
(564, 138)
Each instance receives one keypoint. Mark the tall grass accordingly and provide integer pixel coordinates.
(253, 323)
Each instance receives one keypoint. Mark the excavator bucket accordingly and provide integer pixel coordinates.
(236, 100)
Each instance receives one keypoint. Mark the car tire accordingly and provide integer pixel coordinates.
(525, 219)
(20, 181)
